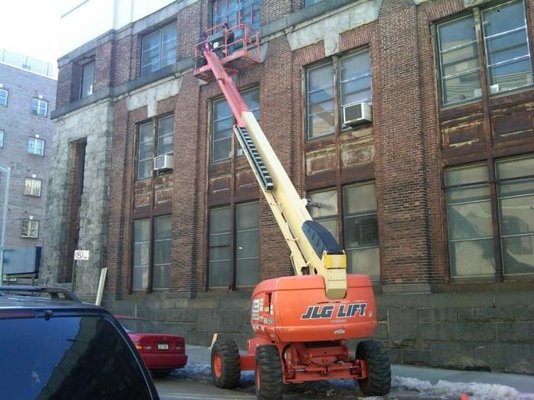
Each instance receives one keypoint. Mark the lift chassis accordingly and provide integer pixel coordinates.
(301, 323)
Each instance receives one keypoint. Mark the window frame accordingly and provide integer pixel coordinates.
(151, 244)
(29, 228)
(145, 64)
(233, 232)
(39, 107)
(32, 187)
(482, 57)
(469, 186)
(234, 147)
(153, 140)
(32, 147)
(337, 84)
(236, 15)
(2, 134)
(4, 96)
(362, 215)
(87, 80)
(500, 197)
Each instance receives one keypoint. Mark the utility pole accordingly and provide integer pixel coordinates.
(7, 171)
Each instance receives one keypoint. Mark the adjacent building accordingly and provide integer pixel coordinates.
(27, 97)
(408, 124)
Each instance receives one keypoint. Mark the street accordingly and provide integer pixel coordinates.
(408, 383)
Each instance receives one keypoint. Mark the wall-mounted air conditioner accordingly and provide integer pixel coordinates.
(163, 162)
(354, 114)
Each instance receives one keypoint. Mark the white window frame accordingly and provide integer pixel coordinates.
(30, 229)
(4, 95)
(32, 187)
(36, 146)
(39, 107)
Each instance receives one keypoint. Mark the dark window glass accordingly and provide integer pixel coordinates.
(68, 357)
(88, 75)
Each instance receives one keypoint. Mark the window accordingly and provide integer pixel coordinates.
(3, 97)
(30, 229)
(88, 75)
(158, 49)
(323, 209)
(32, 187)
(36, 146)
(39, 107)
(1, 138)
(155, 138)
(360, 229)
(515, 190)
(353, 82)
(154, 262)
(234, 252)
(223, 121)
(236, 12)
(505, 42)
(469, 221)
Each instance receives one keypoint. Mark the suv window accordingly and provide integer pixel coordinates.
(57, 354)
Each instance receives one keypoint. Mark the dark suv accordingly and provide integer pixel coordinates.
(52, 346)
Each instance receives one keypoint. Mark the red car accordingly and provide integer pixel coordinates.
(161, 352)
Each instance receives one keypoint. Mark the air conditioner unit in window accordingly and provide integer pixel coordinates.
(163, 162)
(354, 114)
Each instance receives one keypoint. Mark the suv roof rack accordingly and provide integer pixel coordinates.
(28, 290)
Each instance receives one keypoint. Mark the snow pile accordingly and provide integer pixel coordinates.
(476, 391)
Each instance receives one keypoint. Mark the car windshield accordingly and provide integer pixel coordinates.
(138, 325)
(67, 357)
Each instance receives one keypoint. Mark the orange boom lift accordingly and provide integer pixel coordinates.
(301, 323)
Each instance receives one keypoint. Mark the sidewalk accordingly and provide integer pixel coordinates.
(522, 383)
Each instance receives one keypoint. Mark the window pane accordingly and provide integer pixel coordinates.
(158, 49)
(515, 168)
(355, 78)
(87, 79)
(320, 100)
(359, 198)
(469, 222)
(141, 257)
(505, 33)
(459, 67)
(364, 261)
(165, 135)
(220, 270)
(472, 258)
(516, 214)
(145, 151)
(3, 97)
(247, 244)
(360, 229)
(465, 175)
(323, 204)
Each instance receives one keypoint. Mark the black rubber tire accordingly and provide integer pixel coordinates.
(268, 373)
(378, 381)
(227, 352)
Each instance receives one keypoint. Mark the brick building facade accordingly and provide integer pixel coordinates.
(430, 196)
(27, 96)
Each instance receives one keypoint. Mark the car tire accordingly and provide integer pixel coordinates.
(378, 381)
(268, 373)
(225, 363)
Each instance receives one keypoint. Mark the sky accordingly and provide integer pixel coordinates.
(31, 27)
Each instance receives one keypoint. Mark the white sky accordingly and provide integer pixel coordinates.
(31, 27)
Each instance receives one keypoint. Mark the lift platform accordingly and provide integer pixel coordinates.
(238, 48)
